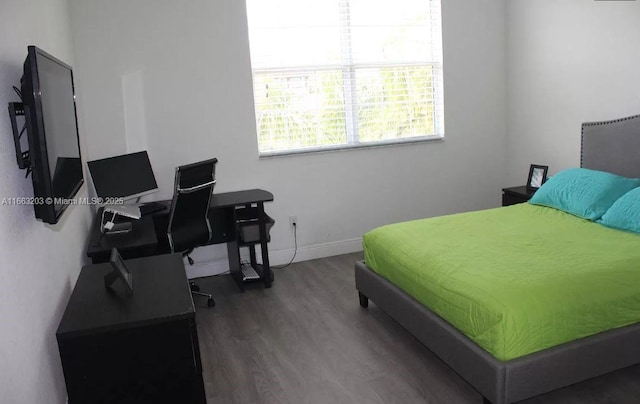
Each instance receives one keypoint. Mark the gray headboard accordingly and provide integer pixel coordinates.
(612, 146)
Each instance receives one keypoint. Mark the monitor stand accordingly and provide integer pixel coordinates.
(117, 228)
(128, 210)
(111, 227)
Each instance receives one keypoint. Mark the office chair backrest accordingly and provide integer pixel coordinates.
(189, 225)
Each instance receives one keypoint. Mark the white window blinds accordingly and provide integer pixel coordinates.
(343, 73)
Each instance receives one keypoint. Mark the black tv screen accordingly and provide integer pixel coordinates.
(52, 129)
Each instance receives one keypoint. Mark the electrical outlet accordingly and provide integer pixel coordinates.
(293, 221)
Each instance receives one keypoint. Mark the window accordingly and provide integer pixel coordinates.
(342, 73)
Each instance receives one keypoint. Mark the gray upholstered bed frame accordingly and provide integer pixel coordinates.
(612, 146)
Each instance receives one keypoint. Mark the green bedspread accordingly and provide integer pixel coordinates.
(517, 279)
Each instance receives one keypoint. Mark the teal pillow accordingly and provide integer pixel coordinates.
(582, 192)
(624, 214)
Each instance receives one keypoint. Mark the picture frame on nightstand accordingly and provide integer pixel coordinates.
(537, 176)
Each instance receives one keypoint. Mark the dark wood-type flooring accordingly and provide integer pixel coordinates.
(307, 340)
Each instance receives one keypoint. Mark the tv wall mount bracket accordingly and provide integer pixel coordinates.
(17, 109)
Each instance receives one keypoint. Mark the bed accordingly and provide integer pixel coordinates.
(485, 339)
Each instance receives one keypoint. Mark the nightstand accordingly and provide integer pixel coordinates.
(513, 195)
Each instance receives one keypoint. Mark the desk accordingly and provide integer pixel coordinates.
(148, 236)
(143, 348)
(141, 241)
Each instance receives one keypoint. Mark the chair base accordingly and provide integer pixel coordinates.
(195, 291)
(187, 254)
(210, 301)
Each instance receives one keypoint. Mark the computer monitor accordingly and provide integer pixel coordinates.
(128, 176)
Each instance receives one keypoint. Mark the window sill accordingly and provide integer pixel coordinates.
(344, 147)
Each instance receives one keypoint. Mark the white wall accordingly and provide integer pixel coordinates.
(569, 61)
(39, 263)
(192, 61)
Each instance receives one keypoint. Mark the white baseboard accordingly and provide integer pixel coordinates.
(208, 266)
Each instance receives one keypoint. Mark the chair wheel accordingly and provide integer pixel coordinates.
(211, 302)
(195, 287)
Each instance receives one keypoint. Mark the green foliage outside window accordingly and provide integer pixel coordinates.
(307, 108)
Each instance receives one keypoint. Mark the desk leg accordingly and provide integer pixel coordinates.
(266, 269)
(252, 256)
(233, 255)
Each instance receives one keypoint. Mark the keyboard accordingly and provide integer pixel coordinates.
(152, 207)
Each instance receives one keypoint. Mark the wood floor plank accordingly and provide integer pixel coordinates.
(307, 340)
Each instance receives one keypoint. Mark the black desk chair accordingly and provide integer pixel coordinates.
(189, 225)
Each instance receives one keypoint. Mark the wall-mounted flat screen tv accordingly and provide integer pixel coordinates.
(48, 99)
